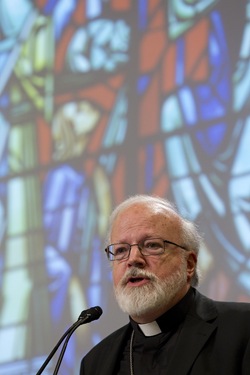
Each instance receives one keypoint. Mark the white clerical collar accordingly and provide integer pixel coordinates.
(150, 329)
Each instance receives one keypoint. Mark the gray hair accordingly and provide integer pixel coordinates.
(190, 236)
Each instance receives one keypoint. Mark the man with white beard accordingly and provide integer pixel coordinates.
(173, 329)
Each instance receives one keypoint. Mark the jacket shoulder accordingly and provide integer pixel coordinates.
(224, 312)
(208, 308)
(241, 309)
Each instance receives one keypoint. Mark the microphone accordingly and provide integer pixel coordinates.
(86, 316)
(91, 314)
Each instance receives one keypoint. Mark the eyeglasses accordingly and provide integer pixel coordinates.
(150, 246)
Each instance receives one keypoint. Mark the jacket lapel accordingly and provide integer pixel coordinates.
(199, 324)
(106, 364)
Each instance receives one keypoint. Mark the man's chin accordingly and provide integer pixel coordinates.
(132, 299)
(136, 289)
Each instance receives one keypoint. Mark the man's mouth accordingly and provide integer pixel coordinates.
(137, 280)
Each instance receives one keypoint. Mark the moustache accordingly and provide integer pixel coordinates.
(138, 273)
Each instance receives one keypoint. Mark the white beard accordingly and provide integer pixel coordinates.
(157, 293)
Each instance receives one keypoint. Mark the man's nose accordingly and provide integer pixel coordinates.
(135, 256)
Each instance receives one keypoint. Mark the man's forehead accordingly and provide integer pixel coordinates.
(147, 213)
(151, 207)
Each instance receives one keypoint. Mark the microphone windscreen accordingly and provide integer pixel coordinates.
(93, 313)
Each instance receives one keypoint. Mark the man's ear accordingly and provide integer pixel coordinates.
(191, 264)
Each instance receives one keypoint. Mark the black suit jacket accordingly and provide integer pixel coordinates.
(215, 340)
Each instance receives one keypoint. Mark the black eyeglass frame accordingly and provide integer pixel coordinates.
(140, 248)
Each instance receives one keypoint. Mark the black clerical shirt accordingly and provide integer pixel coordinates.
(151, 352)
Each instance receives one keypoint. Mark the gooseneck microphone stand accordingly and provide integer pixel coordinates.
(59, 361)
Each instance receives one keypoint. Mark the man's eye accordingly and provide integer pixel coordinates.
(120, 250)
(152, 245)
